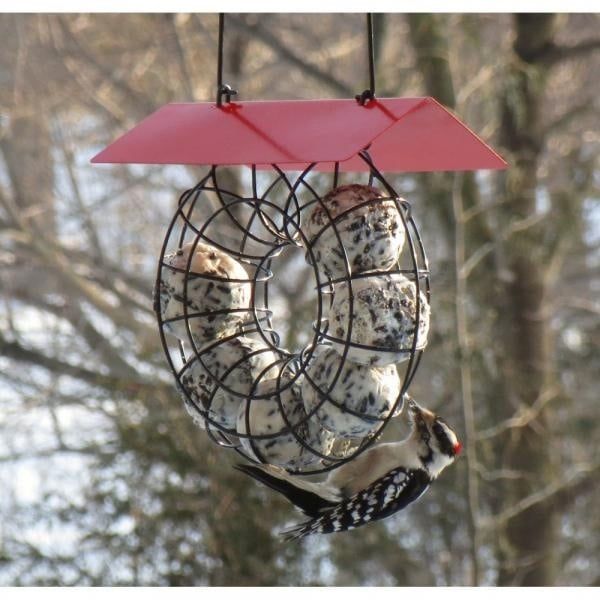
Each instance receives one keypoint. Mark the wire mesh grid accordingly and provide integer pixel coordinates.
(216, 317)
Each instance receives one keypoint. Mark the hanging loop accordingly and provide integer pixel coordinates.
(369, 94)
(227, 91)
(364, 97)
(223, 89)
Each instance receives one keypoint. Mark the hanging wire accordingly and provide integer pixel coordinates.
(369, 94)
(222, 89)
(371, 53)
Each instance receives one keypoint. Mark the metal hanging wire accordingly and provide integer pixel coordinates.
(369, 94)
(224, 89)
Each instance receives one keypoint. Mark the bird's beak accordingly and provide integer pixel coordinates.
(413, 407)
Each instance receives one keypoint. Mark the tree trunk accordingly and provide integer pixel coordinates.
(528, 541)
(26, 144)
(432, 57)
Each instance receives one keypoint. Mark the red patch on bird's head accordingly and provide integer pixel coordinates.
(457, 448)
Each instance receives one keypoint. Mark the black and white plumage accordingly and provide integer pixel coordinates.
(218, 288)
(372, 235)
(384, 497)
(369, 392)
(373, 486)
(384, 310)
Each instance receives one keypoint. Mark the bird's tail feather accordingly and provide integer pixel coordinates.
(297, 532)
(311, 498)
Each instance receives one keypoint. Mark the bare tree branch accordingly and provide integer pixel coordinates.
(499, 474)
(587, 106)
(51, 254)
(463, 342)
(524, 416)
(259, 32)
(19, 353)
(171, 22)
(138, 102)
(583, 304)
(485, 249)
(475, 258)
(555, 53)
(86, 217)
(581, 476)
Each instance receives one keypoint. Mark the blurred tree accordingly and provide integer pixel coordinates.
(532, 266)
(106, 479)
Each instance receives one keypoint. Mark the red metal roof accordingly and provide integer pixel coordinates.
(403, 134)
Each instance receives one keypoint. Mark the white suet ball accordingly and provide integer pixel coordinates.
(203, 295)
(383, 319)
(225, 375)
(370, 392)
(372, 235)
(265, 418)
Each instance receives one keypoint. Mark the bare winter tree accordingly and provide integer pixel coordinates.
(105, 478)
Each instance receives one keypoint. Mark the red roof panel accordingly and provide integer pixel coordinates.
(403, 134)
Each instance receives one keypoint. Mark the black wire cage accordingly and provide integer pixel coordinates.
(309, 409)
(237, 380)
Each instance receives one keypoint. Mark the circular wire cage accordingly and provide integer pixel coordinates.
(311, 410)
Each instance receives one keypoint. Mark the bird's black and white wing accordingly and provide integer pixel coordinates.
(385, 496)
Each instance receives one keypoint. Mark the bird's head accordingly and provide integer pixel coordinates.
(438, 444)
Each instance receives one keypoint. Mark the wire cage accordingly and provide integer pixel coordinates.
(310, 410)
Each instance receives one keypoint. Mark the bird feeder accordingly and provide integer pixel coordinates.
(310, 409)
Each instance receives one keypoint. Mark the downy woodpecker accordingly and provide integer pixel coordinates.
(374, 485)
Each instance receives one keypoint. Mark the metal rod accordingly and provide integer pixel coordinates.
(369, 94)
(220, 58)
(371, 53)
(223, 89)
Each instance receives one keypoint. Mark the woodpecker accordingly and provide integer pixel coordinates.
(376, 484)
